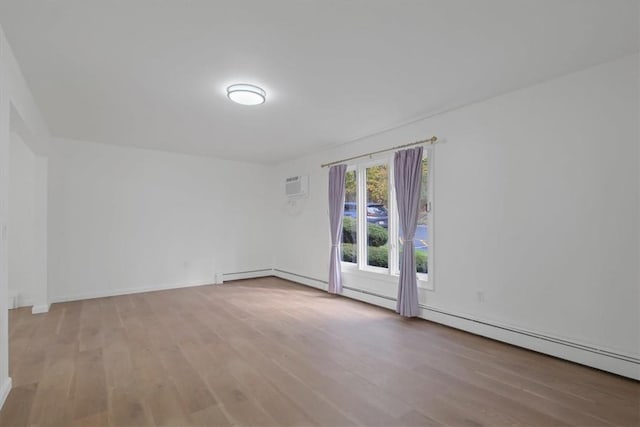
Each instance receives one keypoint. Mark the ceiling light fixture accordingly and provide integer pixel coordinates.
(246, 94)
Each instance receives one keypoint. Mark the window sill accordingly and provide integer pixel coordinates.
(380, 275)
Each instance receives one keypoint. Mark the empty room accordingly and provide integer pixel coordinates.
(319, 213)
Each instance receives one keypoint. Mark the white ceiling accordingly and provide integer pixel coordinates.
(152, 73)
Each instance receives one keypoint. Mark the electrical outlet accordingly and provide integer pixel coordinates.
(480, 296)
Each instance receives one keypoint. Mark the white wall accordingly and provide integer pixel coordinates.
(5, 381)
(536, 205)
(18, 113)
(127, 219)
(23, 277)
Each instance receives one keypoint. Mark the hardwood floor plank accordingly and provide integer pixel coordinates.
(238, 406)
(125, 407)
(541, 398)
(18, 404)
(189, 384)
(164, 404)
(96, 420)
(118, 366)
(274, 403)
(52, 403)
(270, 352)
(90, 387)
(30, 367)
(69, 328)
(312, 351)
(414, 418)
(211, 416)
(90, 326)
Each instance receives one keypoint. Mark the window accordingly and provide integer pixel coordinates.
(421, 240)
(350, 219)
(370, 211)
(377, 216)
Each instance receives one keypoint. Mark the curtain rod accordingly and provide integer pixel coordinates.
(429, 141)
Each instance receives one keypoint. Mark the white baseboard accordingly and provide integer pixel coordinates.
(5, 389)
(304, 280)
(604, 359)
(248, 274)
(126, 291)
(40, 308)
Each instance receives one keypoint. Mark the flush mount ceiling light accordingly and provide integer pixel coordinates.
(246, 94)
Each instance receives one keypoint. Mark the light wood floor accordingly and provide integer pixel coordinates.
(269, 352)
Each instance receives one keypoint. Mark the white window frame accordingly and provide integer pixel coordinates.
(353, 266)
(363, 247)
(425, 281)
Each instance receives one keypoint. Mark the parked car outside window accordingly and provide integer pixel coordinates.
(376, 213)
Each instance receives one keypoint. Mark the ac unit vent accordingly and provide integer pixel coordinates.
(297, 186)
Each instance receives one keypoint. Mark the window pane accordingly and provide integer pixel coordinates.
(377, 215)
(350, 219)
(421, 240)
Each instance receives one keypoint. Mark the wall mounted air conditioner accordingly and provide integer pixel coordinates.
(297, 187)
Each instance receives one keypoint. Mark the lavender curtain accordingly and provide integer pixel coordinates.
(408, 179)
(336, 207)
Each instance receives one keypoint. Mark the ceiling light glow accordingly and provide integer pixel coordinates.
(246, 94)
